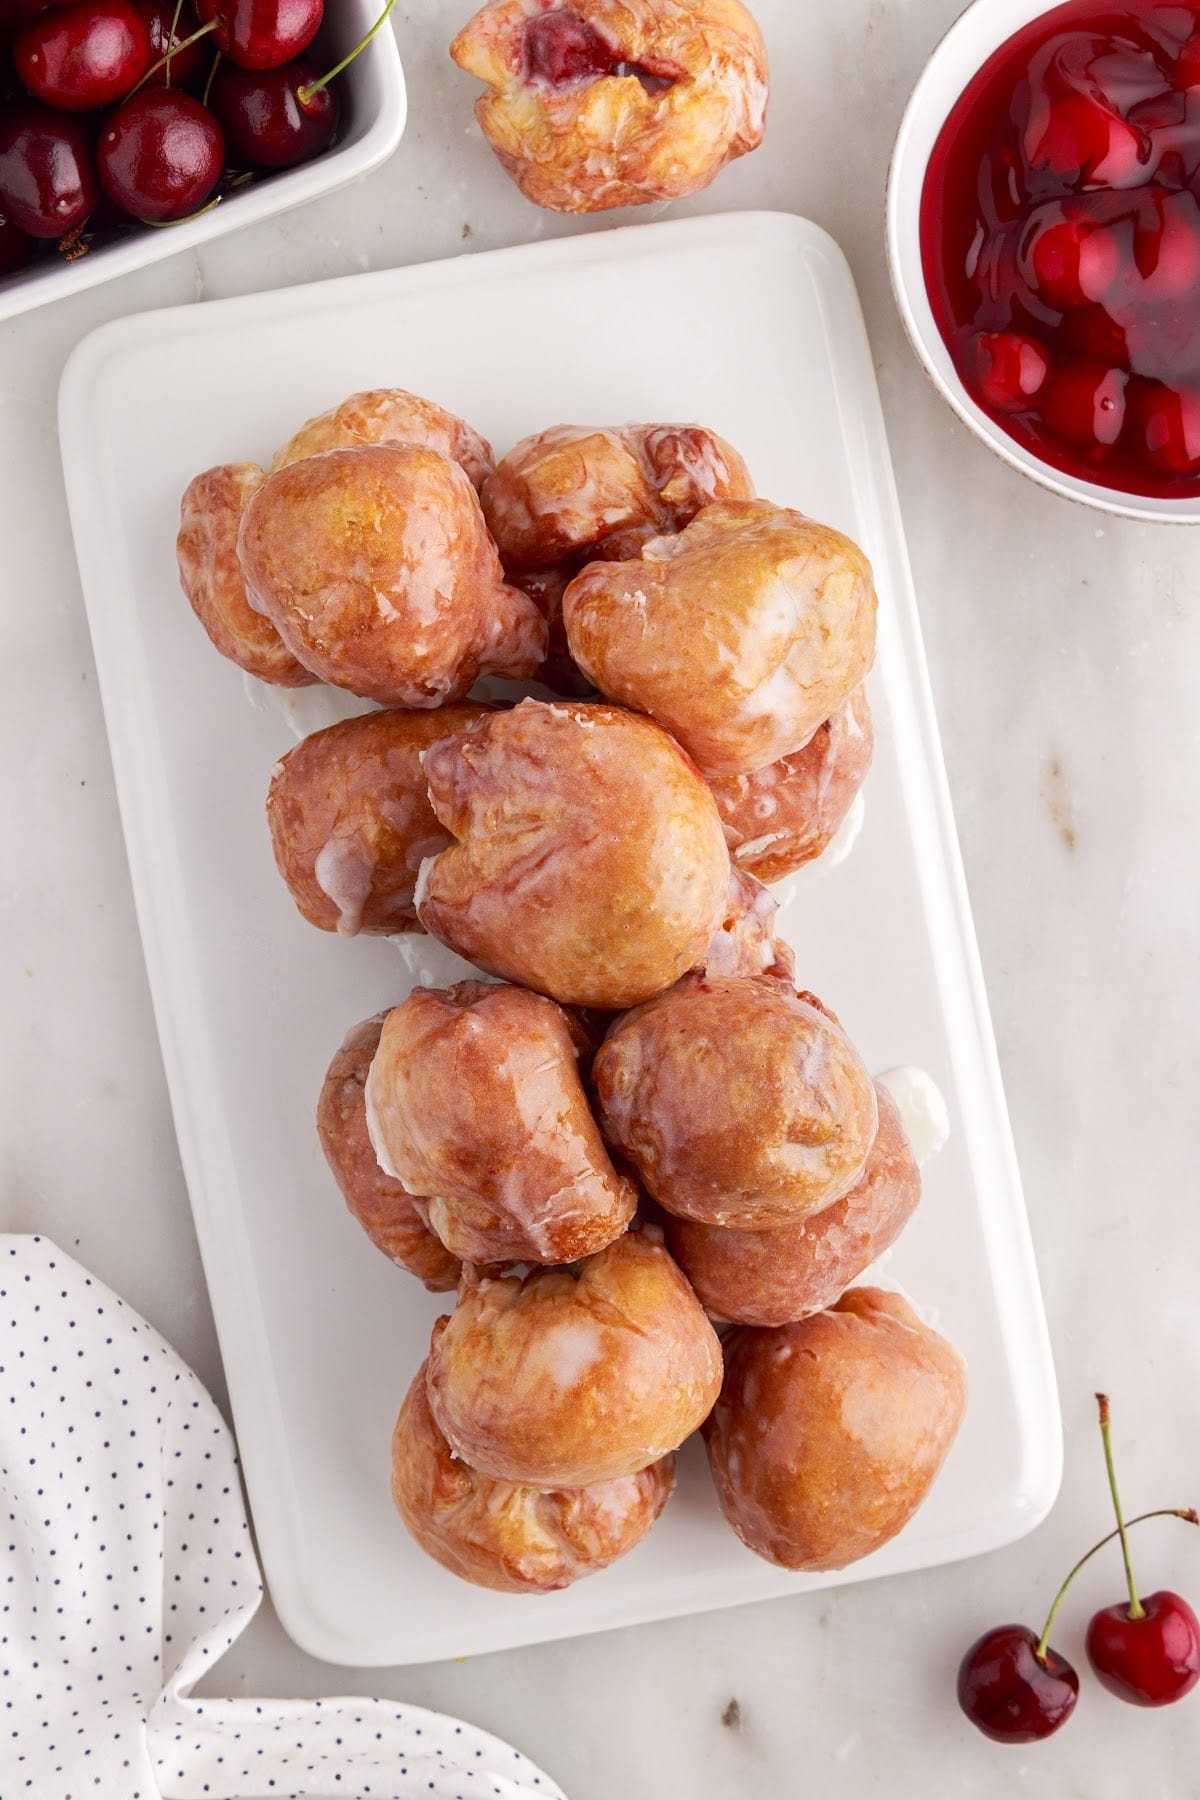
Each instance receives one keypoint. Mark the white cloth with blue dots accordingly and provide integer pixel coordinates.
(127, 1569)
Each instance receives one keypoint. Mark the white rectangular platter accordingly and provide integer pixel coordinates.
(750, 324)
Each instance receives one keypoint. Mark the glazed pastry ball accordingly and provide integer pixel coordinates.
(737, 1102)
(210, 516)
(575, 491)
(350, 817)
(590, 863)
(777, 1276)
(391, 416)
(781, 817)
(616, 102)
(741, 634)
(377, 569)
(519, 1540)
(570, 1377)
(829, 1433)
(476, 1104)
(385, 1210)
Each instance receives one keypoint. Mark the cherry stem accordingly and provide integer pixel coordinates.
(1136, 1609)
(164, 62)
(304, 94)
(216, 63)
(171, 38)
(1188, 1513)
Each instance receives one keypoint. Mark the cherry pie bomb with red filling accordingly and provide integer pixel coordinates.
(1060, 240)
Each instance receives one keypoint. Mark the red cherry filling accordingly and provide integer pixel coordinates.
(1080, 138)
(1071, 259)
(1168, 426)
(1084, 405)
(1012, 368)
(561, 50)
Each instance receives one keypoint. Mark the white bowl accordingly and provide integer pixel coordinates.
(968, 44)
(374, 108)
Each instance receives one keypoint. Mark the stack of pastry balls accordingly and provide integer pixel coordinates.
(638, 1126)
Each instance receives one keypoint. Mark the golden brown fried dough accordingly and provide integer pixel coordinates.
(781, 817)
(741, 634)
(477, 1106)
(350, 817)
(377, 569)
(776, 1277)
(737, 1103)
(210, 516)
(385, 1210)
(829, 1433)
(391, 416)
(572, 1377)
(519, 1540)
(575, 492)
(590, 864)
(616, 102)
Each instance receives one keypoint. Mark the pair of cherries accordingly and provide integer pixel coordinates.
(1016, 1689)
(161, 154)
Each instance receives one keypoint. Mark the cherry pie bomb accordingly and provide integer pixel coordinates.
(376, 568)
(350, 820)
(642, 1044)
(385, 1209)
(608, 103)
(476, 1104)
(506, 1536)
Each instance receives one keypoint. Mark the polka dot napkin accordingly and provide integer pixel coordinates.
(127, 1569)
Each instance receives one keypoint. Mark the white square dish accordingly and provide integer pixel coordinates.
(750, 324)
(374, 107)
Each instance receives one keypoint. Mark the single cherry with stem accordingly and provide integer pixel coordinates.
(1146, 1651)
(267, 124)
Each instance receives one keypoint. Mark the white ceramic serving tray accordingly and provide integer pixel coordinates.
(750, 324)
(374, 107)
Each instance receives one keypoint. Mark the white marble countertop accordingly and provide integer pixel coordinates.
(1065, 655)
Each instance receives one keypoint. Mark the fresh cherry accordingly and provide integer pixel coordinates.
(1153, 1659)
(1084, 405)
(1012, 368)
(262, 34)
(16, 247)
(84, 56)
(173, 66)
(1146, 1651)
(1168, 426)
(47, 178)
(266, 122)
(161, 154)
(1015, 1689)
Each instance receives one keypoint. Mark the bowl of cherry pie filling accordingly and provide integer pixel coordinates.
(1044, 243)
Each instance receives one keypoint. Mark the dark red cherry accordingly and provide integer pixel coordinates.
(47, 177)
(262, 34)
(266, 123)
(1152, 1660)
(187, 68)
(561, 49)
(1010, 1693)
(15, 15)
(16, 247)
(1012, 368)
(161, 154)
(1167, 421)
(84, 56)
(1084, 405)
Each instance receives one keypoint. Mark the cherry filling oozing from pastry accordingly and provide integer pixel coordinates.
(561, 50)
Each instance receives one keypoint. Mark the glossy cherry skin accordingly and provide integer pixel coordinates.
(266, 125)
(1012, 369)
(262, 34)
(1167, 422)
(161, 154)
(187, 68)
(84, 56)
(16, 247)
(1151, 1661)
(1008, 1693)
(47, 176)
